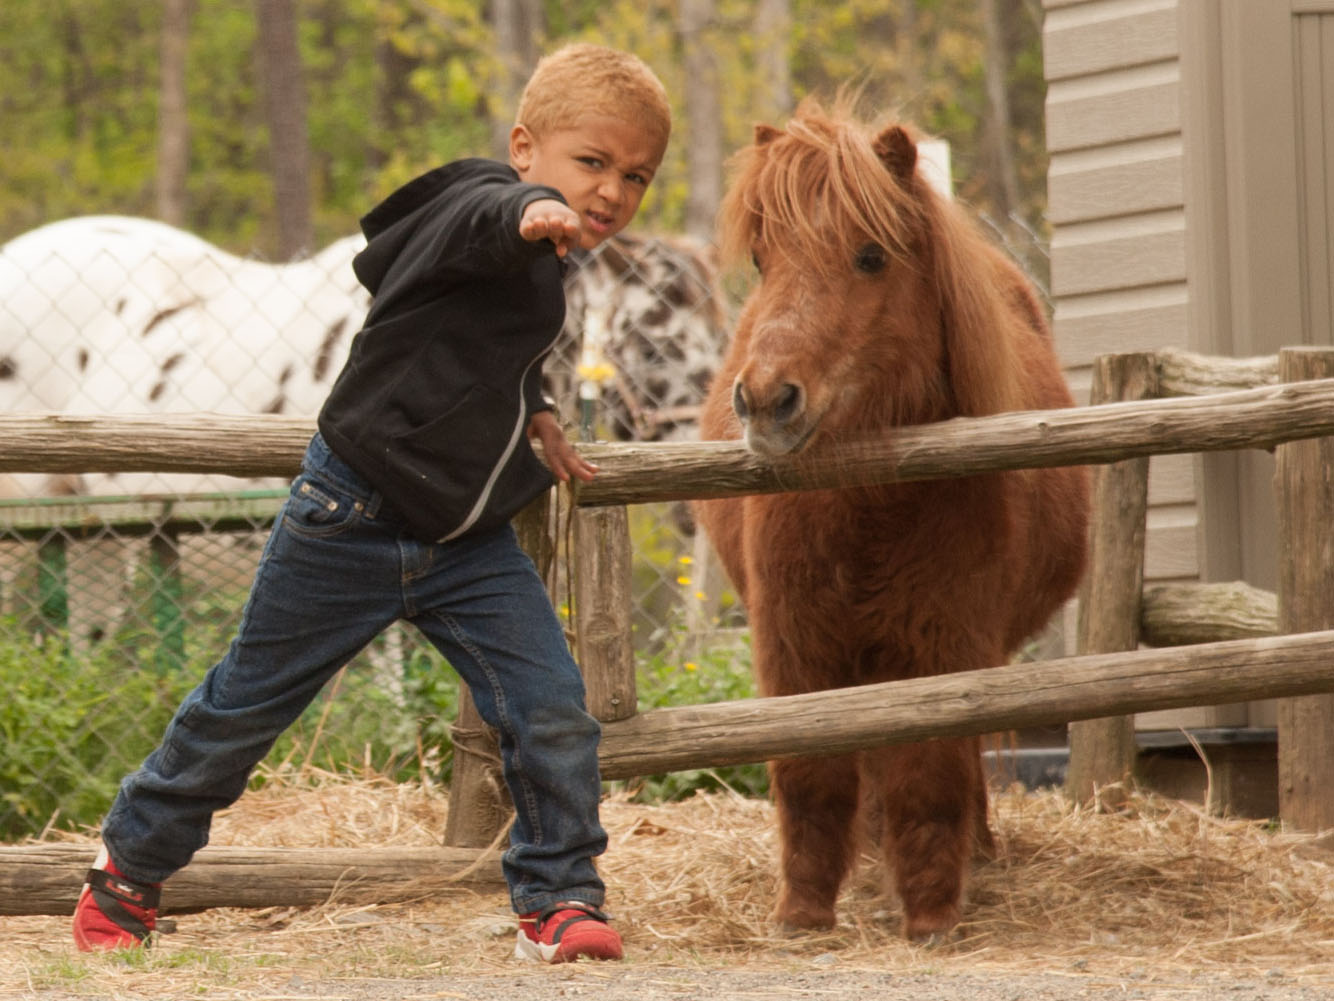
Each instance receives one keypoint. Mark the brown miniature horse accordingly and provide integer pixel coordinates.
(880, 304)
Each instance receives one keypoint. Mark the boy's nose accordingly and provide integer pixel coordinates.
(612, 190)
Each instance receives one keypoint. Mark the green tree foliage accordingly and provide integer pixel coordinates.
(396, 86)
(77, 99)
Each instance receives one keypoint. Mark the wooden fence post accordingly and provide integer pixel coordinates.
(603, 610)
(167, 599)
(1102, 751)
(479, 802)
(53, 584)
(1305, 500)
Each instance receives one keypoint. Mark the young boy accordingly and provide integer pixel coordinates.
(402, 511)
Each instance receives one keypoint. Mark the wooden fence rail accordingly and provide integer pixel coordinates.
(255, 445)
(972, 702)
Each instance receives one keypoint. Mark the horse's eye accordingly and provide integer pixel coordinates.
(870, 259)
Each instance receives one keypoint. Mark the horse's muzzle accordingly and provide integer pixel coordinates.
(774, 417)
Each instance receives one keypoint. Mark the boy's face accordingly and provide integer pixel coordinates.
(602, 165)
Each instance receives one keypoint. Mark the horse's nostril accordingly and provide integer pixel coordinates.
(739, 403)
(788, 403)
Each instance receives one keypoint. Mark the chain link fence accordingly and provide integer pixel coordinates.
(118, 591)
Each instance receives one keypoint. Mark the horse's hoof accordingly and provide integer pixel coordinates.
(797, 922)
(932, 931)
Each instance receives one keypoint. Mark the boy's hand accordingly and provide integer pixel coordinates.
(548, 219)
(560, 455)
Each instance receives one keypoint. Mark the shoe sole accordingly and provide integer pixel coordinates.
(537, 952)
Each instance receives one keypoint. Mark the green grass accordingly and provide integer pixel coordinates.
(73, 725)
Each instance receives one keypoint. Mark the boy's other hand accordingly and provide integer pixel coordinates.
(548, 219)
(560, 455)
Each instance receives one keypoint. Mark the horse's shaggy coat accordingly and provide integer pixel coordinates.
(880, 304)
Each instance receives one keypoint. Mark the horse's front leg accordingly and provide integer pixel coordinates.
(934, 812)
(817, 807)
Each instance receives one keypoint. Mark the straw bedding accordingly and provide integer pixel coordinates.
(1156, 886)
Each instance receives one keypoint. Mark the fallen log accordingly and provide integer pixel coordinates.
(46, 878)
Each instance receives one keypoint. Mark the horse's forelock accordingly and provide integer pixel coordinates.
(819, 188)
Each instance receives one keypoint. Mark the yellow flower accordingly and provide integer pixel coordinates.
(690, 665)
(683, 581)
(596, 371)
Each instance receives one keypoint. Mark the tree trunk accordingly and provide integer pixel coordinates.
(704, 126)
(279, 60)
(173, 128)
(772, 28)
(517, 25)
(1003, 182)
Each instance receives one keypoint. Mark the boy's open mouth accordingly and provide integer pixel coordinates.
(600, 220)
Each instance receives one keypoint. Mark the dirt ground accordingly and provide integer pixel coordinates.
(627, 983)
(1155, 901)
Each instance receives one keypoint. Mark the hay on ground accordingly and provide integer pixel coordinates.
(1158, 885)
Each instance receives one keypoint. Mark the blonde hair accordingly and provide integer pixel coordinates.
(581, 79)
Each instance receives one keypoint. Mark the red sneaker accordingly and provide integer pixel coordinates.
(114, 912)
(564, 932)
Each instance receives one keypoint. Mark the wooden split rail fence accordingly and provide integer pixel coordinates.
(1111, 682)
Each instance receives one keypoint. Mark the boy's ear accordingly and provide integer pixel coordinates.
(521, 149)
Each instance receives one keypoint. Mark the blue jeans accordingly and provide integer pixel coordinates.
(338, 569)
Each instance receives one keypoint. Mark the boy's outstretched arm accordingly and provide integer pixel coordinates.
(548, 219)
(561, 457)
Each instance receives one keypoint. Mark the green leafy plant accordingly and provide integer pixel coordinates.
(715, 674)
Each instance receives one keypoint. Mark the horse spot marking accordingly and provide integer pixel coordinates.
(167, 314)
(324, 358)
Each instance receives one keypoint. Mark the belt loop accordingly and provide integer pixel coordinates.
(373, 504)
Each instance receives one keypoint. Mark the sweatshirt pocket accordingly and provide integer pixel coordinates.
(448, 462)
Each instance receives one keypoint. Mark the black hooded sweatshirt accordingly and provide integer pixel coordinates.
(433, 404)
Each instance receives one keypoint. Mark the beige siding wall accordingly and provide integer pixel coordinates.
(1215, 113)
(1117, 209)
(1314, 70)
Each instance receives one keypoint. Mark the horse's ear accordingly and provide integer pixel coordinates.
(897, 151)
(766, 134)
